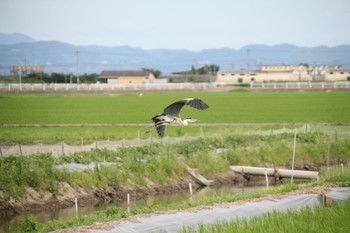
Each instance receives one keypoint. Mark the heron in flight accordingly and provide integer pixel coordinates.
(171, 114)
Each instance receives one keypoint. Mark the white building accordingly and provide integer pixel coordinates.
(285, 73)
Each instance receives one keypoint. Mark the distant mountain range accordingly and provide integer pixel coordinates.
(19, 49)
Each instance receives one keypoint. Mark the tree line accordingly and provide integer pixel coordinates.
(51, 78)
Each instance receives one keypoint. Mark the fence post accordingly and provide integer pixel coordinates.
(294, 145)
(329, 150)
(76, 206)
(62, 147)
(20, 148)
(128, 198)
(266, 178)
(190, 188)
(128, 201)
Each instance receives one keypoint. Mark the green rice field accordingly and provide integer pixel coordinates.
(225, 107)
(111, 110)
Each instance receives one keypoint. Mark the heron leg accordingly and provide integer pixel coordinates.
(156, 125)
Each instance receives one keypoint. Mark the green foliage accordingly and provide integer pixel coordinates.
(52, 78)
(206, 69)
(36, 171)
(156, 73)
(339, 175)
(317, 219)
(28, 225)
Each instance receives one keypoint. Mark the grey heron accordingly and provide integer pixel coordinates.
(171, 114)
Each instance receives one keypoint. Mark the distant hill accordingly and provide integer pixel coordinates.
(15, 38)
(62, 57)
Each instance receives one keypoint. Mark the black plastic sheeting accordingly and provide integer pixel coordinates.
(173, 222)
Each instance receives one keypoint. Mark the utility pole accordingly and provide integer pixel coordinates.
(248, 60)
(20, 78)
(248, 63)
(78, 80)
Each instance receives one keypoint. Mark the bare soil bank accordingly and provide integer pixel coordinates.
(37, 200)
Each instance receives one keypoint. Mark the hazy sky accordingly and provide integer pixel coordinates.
(180, 24)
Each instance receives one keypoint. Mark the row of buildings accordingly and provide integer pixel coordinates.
(275, 73)
(267, 73)
(286, 73)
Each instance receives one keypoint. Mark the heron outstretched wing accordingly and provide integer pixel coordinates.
(161, 130)
(171, 113)
(175, 108)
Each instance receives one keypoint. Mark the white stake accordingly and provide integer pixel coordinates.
(128, 198)
(266, 178)
(329, 150)
(76, 205)
(190, 187)
(295, 141)
(128, 201)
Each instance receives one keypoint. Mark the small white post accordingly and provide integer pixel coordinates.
(20, 148)
(266, 178)
(128, 198)
(190, 187)
(342, 167)
(295, 141)
(62, 147)
(76, 205)
(329, 151)
(138, 137)
(128, 201)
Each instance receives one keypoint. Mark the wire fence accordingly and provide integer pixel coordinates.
(62, 148)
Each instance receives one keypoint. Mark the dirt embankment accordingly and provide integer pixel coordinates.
(36, 200)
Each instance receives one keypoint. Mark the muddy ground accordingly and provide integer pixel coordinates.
(37, 200)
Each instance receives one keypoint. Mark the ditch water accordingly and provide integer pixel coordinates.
(6, 224)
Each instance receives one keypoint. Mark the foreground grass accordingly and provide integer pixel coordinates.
(335, 214)
(319, 219)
